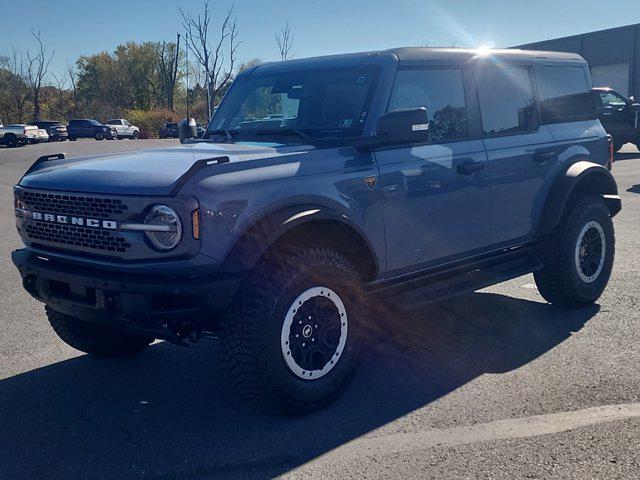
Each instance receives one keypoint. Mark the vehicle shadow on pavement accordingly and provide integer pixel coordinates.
(169, 414)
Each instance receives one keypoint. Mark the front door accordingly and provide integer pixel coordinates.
(617, 115)
(436, 195)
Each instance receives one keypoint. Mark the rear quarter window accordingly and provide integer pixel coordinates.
(565, 95)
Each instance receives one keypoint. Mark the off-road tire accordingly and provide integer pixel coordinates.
(560, 282)
(11, 140)
(251, 329)
(95, 339)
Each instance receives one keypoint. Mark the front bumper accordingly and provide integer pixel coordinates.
(137, 302)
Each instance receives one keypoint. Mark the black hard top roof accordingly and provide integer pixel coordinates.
(415, 54)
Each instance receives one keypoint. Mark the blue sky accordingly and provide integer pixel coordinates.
(76, 27)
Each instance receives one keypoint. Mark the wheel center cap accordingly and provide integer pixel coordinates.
(307, 331)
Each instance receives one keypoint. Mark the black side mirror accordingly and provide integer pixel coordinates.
(187, 129)
(407, 125)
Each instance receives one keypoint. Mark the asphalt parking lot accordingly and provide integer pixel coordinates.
(494, 384)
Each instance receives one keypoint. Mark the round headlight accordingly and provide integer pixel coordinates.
(164, 228)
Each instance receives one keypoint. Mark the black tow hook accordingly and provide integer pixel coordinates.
(30, 285)
(188, 332)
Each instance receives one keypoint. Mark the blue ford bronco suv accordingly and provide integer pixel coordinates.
(413, 173)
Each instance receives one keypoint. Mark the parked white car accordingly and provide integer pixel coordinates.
(124, 128)
(41, 136)
(18, 134)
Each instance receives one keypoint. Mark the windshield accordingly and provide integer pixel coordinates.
(94, 122)
(325, 103)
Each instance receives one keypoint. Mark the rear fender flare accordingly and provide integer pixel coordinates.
(579, 177)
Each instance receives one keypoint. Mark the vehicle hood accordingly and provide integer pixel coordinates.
(144, 172)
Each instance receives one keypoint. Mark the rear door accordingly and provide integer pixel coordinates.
(436, 194)
(126, 128)
(521, 152)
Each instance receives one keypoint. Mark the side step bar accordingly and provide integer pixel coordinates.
(435, 286)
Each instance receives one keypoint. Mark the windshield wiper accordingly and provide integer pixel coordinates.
(285, 131)
(230, 134)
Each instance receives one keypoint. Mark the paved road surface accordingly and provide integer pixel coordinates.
(494, 384)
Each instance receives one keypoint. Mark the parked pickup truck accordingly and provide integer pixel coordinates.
(18, 134)
(124, 128)
(89, 128)
(619, 115)
(409, 174)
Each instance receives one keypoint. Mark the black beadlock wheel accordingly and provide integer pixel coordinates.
(578, 256)
(95, 339)
(292, 336)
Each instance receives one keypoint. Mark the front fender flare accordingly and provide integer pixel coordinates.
(261, 235)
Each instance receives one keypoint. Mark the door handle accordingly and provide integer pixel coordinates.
(543, 157)
(468, 168)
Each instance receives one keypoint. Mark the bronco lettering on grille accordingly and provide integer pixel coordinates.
(70, 220)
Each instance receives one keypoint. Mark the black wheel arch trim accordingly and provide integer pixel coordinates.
(580, 176)
(257, 239)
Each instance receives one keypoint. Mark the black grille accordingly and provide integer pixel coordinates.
(95, 239)
(77, 205)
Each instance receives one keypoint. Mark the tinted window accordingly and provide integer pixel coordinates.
(565, 95)
(441, 91)
(506, 99)
(610, 98)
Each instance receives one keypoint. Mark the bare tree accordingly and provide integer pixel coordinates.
(284, 40)
(37, 70)
(218, 67)
(72, 74)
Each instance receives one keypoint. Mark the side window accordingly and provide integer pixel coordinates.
(611, 99)
(506, 100)
(565, 95)
(441, 91)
